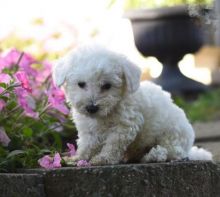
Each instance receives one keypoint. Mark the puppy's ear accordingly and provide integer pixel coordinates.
(132, 75)
(59, 72)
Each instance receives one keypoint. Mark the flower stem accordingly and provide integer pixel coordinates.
(20, 58)
(9, 87)
(44, 110)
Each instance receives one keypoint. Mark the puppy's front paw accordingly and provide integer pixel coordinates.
(72, 161)
(97, 160)
(102, 160)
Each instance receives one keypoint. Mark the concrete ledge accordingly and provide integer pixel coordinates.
(21, 185)
(200, 179)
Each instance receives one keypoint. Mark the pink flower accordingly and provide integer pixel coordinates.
(23, 79)
(26, 102)
(1, 66)
(56, 99)
(12, 57)
(50, 162)
(83, 163)
(72, 149)
(4, 139)
(44, 73)
(57, 161)
(9, 59)
(4, 78)
(2, 104)
(46, 162)
(59, 116)
(41, 80)
(1, 90)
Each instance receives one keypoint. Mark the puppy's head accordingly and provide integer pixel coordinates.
(96, 79)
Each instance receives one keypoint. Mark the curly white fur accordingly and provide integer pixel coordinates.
(131, 114)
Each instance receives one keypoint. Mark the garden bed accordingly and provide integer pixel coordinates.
(156, 179)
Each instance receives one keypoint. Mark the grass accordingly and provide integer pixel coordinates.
(205, 108)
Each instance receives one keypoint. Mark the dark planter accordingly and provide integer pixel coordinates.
(168, 34)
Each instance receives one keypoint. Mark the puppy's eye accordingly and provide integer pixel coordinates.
(106, 86)
(82, 84)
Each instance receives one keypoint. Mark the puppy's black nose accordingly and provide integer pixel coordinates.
(92, 108)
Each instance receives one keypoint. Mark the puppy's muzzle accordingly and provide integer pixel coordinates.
(92, 108)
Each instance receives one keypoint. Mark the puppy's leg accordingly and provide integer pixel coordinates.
(162, 153)
(156, 154)
(115, 147)
(88, 145)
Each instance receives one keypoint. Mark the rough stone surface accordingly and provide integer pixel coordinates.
(177, 179)
(21, 185)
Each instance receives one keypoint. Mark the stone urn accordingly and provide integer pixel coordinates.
(168, 34)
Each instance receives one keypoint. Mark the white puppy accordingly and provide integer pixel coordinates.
(117, 118)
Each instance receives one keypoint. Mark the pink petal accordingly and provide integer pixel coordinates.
(56, 99)
(62, 108)
(83, 163)
(49, 162)
(1, 90)
(4, 139)
(46, 162)
(22, 77)
(1, 64)
(5, 94)
(2, 104)
(56, 161)
(26, 102)
(25, 64)
(4, 78)
(11, 58)
(72, 149)
(44, 73)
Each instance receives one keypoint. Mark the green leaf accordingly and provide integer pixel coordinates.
(5, 98)
(15, 153)
(11, 104)
(3, 152)
(43, 151)
(57, 141)
(27, 132)
(3, 85)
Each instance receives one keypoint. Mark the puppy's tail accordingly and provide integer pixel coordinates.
(199, 154)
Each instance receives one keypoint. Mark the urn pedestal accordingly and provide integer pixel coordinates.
(168, 34)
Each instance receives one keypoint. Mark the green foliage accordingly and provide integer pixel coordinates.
(205, 108)
(33, 113)
(134, 4)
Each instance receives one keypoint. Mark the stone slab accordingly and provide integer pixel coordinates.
(177, 179)
(21, 185)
